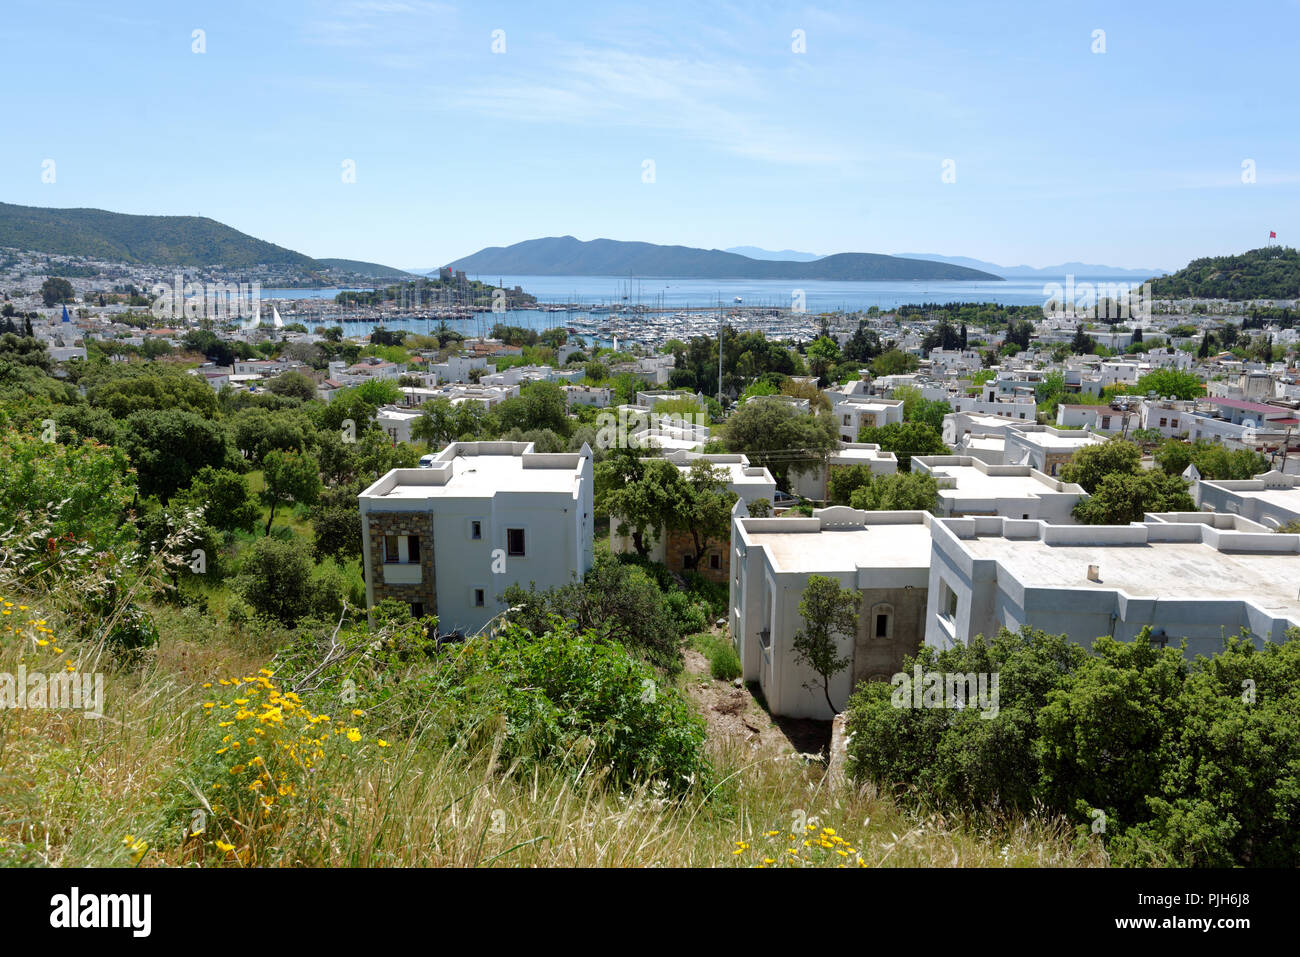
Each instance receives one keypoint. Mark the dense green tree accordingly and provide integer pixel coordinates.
(442, 422)
(902, 491)
(641, 509)
(1090, 464)
(124, 391)
(337, 532)
(780, 438)
(844, 480)
(706, 512)
(916, 408)
(863, 345)
(1168, 383)
(55, 291)
(168, 448)
(905, 439)
(224, 497)
(539, 405)
(86, 487)
(894, 362)
(294, 385)
(615, 600)
(275, 580)
(288, 477)
(1120, 498)
(1212, 460)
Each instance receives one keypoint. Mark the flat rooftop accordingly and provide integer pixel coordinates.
(973, 483)
(1164, 570)
(846, 549)
(502, 467)
(1284, 498)
(1050, 440)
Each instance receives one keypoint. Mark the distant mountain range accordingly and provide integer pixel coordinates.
(567, 256)
(785, 255)
(1030, 272)
(158, 240)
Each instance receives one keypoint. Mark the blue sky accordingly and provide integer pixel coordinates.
(1131, 157)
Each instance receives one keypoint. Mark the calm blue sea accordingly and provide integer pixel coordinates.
(818, 296)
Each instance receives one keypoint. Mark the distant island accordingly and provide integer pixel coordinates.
(567, 256)
(193, 241)
(1271, 272)
(1038, 272)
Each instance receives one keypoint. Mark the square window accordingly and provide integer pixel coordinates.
(476, 530)
(949, 601)
(882, 626)
(514, 541)
(715, 561)
(417, 610)
(478, 598)
(413, 548)
(390, 548)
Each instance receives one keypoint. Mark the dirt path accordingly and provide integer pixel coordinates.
(732, 712)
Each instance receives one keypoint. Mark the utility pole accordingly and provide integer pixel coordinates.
(721, 319)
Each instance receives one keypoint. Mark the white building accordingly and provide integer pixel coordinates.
(855, 412)
(396, 422)
(1019, 408)
(884, 556)
(1044, 448)
(456, 368)
(598, 397)
(812, 485)
(1098, 418)
(1272, 499)
(449, 539)
(1183, 578)
(969, 486)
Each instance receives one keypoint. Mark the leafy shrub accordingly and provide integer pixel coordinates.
(276, 580)
(687, 616)
(724, 662)
(714, 596)
(569, 699)
(1187, 767)
(618, 600)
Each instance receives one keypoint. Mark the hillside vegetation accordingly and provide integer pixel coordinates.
(156, 240)
(1272, 272)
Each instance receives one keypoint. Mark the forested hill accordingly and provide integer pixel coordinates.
(567, 256)
(1272, 272)
(157, 240)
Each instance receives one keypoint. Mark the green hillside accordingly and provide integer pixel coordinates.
(162, 240)
(372, 270)
(1272, 272)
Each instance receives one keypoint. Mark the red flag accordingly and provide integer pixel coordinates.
(1272, 235)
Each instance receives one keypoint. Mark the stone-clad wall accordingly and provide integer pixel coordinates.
(403, 523)
(679, 546)
(880, 658)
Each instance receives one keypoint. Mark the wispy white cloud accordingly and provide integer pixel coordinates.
(382, 24)
(726, 105)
